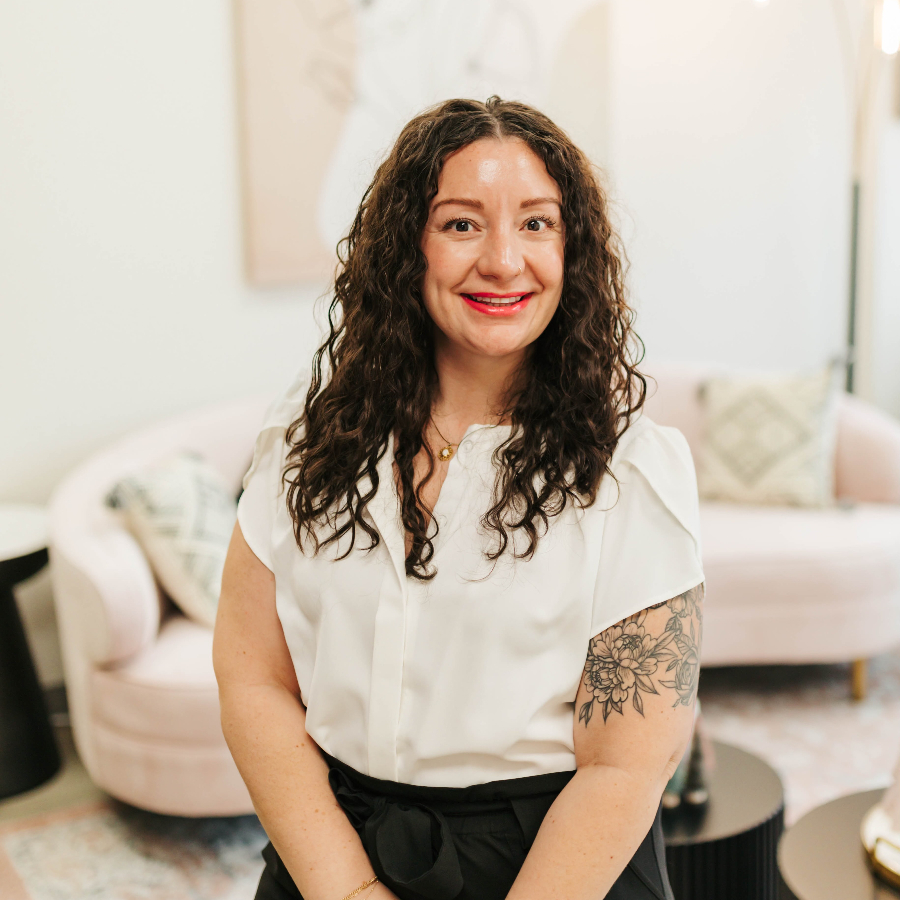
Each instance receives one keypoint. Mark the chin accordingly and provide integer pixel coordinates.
(497, 349)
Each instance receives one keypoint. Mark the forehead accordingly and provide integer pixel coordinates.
(495, 166)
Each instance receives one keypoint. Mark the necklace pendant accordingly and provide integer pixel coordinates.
(445, 453)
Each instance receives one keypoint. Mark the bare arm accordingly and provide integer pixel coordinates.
(264, 723)
(634, 713)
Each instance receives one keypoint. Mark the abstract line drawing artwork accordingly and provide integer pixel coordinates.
(326, 85)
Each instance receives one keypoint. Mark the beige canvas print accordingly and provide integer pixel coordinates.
(296, 71)
(326, 85)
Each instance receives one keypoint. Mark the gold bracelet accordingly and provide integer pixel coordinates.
(361, 888)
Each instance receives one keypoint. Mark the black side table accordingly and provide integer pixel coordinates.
(821, 856)
(28, 753)
(728, 851)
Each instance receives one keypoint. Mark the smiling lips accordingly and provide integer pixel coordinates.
(498, 304)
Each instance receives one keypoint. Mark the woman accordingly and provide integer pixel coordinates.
(433, 536)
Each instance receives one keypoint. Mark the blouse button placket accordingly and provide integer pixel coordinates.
(392, 617)
(386, 680)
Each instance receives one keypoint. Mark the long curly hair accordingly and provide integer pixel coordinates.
(374, 376)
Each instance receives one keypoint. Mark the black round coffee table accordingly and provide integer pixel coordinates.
(821, 856)
(728, 851)
(28, 754)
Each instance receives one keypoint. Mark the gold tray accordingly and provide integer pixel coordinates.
(882, 845)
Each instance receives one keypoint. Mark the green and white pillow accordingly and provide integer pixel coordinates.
(770, 439)
(182, 514)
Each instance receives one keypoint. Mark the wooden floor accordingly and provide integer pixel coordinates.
(69, 787)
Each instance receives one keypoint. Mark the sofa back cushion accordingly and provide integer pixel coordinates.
(675, 398)
(769, 438)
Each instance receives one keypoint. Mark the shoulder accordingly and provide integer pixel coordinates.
(282, 412)
(288, 405)
(659, 456)
(650, 547)
(653, 449)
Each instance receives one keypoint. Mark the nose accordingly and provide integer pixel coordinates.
(501, 258)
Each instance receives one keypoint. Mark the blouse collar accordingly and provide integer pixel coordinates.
(384, 507)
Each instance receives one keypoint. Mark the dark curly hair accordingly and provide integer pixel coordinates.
(571, 406)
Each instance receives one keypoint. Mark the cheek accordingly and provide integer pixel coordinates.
(447, 262)
(549, 266)
(438, 276)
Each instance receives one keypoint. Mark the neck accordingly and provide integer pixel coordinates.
(472, 389)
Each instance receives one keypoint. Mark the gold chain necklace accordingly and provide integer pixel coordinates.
(445, 454)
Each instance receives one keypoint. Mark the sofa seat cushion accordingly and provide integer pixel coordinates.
(791, 585)
(792, 554)
(167, 692)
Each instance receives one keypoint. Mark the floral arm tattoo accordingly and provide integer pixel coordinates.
(627, 660)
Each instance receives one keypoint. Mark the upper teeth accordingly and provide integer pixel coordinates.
(499, 301)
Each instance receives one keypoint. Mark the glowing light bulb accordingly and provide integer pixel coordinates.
(887, 26)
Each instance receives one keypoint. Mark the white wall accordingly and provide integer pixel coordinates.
(731, 157)
(120, 274)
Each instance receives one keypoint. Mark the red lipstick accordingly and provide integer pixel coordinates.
(492, 304)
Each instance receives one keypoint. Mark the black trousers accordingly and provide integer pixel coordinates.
(458, 843)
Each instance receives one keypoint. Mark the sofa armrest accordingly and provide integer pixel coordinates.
(867, 458)
(106, 596)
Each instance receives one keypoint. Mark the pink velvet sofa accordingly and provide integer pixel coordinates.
(783, 586)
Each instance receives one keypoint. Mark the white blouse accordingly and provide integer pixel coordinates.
(471, 677)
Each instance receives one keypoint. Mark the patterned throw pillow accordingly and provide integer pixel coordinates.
(770, 439)
(182, 514)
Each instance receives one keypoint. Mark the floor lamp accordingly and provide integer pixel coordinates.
(865, 72)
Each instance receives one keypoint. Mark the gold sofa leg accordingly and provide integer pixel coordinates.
(859, 678)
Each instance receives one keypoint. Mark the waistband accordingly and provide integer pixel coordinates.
(405, 831)
(487, 797)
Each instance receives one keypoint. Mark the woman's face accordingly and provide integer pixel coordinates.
(494, 245)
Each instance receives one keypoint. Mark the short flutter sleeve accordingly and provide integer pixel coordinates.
(263, 489)
(651, 538)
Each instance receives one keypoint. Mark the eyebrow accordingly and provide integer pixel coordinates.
(537, 201)
(459, 201)
(477, 204)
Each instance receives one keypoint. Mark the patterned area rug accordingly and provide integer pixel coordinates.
(802, 720)
(109, 851)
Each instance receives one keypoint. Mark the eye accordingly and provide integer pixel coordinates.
(459, 226)
(539, 223)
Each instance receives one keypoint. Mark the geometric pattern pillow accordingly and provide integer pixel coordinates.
(770, 439)
(182, 514)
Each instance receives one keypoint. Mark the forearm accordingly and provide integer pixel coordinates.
(265, 727)
(589, 835)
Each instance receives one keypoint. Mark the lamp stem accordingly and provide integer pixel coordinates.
(854, 257)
